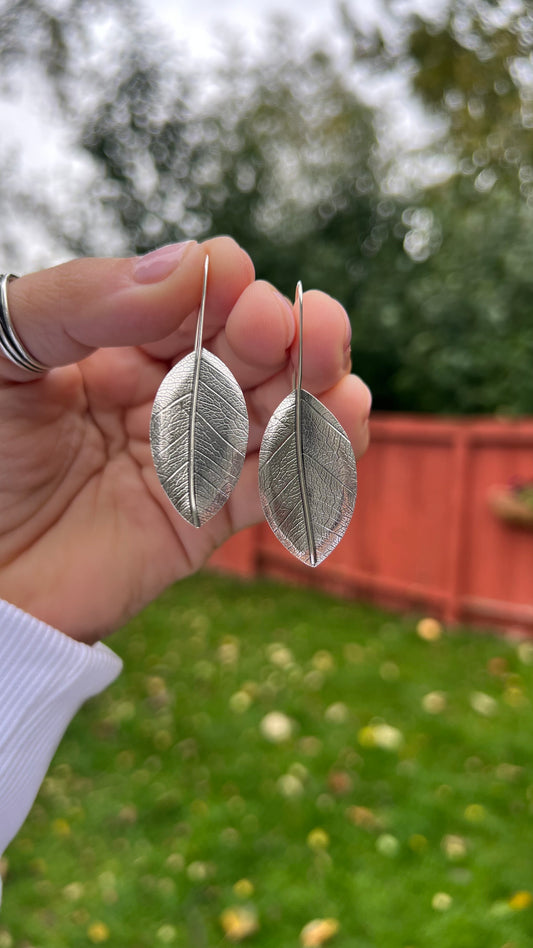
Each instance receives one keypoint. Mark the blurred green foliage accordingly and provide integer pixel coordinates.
(284, 152)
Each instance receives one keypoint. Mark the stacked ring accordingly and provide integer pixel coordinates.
(10, 344)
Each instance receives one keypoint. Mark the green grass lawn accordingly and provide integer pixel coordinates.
(392, 791)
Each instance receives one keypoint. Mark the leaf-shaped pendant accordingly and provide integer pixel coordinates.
(199, 431)
(307, 473)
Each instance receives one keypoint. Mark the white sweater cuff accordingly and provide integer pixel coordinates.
(45, 677)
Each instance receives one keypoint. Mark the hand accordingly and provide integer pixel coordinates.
(87, 534)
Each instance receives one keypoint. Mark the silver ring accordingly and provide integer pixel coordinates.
(10, 344)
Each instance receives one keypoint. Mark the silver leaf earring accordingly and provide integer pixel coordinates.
(199, 431)
(307, 472)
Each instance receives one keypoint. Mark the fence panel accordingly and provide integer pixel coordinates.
(423, 536)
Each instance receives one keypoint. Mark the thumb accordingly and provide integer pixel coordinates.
(62, 314)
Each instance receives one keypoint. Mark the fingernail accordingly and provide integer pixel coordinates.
(160, 263)
(288, 312)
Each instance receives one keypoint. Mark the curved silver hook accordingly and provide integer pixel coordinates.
(308, 521)
(200, 323)
(300, 298)
(194, 398)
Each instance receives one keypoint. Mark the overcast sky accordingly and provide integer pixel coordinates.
(196, 23)
(201, 27)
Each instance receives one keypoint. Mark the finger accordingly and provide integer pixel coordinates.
(64, 313)
(256, 339)
(326, 342)
(260, 339)
(350, 401)
(326, 359)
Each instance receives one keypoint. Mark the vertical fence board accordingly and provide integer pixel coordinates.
(499, 568)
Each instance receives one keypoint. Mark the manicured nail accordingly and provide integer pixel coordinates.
(160, 263)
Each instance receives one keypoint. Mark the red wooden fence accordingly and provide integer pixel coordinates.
(423, 536)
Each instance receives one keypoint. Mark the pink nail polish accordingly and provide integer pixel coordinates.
(160, 263)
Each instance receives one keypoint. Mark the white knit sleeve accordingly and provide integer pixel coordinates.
(45, 677)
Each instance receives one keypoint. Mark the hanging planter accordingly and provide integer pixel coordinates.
(514, 503)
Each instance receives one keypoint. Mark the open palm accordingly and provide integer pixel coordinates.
(87, 535)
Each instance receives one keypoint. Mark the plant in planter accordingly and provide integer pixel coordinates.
(514, 502)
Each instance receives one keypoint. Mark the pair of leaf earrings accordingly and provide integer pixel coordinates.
(199, 436)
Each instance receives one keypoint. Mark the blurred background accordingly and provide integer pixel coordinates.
(379, 152)
(275, 765)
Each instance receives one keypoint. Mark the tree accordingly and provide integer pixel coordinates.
(459, 322)
(457, 310)
(284, 155)
(476, 71)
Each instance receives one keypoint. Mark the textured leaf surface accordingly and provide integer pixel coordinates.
(209, 458)
(326, 483)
